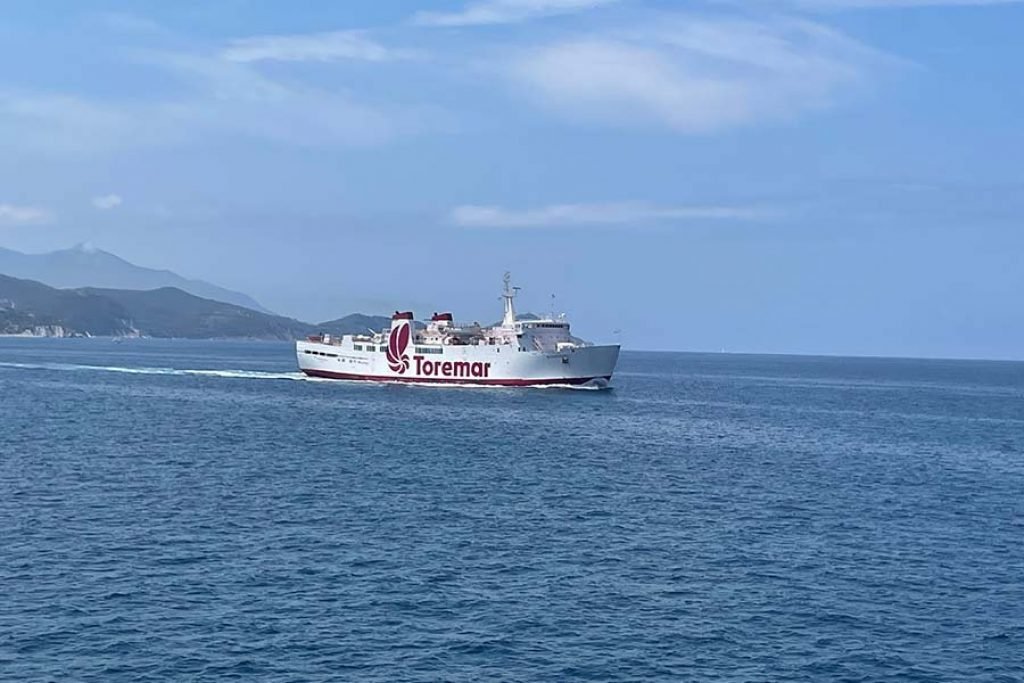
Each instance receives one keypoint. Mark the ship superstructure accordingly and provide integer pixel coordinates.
(512, 353)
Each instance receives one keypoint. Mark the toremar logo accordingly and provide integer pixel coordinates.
(398, 342)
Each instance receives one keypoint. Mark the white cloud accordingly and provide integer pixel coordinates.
(216, 97)
(505, 12)
(61, 122)
(691, 75)
(312, 47)
(107, 201)
(696, 75)
(234, 97)
(11, 214)
(608, 214)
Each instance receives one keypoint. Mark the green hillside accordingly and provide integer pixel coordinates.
(164, 312)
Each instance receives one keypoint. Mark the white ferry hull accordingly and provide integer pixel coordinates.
(477, 364)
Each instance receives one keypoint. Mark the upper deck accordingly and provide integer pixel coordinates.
(544, 335)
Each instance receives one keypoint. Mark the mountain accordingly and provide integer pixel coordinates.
(164, 312)
(29, 307)
(358, 323)
(355, 323)
(84, 266)
(26, 305)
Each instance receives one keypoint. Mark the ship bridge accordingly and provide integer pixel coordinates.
(549, 335)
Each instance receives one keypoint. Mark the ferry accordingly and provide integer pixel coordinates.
(440, 351)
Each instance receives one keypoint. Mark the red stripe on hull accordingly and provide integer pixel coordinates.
(326, 374)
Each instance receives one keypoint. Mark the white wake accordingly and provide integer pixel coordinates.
(256, 374)
(230, 374)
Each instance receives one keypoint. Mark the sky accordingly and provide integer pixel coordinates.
(777, 176)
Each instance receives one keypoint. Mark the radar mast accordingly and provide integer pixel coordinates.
(509, 319)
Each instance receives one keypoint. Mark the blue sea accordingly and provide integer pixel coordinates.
(174, 510)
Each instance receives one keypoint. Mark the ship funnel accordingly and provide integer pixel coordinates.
(401, 318)
(442, 319)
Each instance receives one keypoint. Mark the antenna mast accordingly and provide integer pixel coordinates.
(509, 319)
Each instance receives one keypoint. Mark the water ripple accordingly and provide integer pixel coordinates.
(719, 519)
